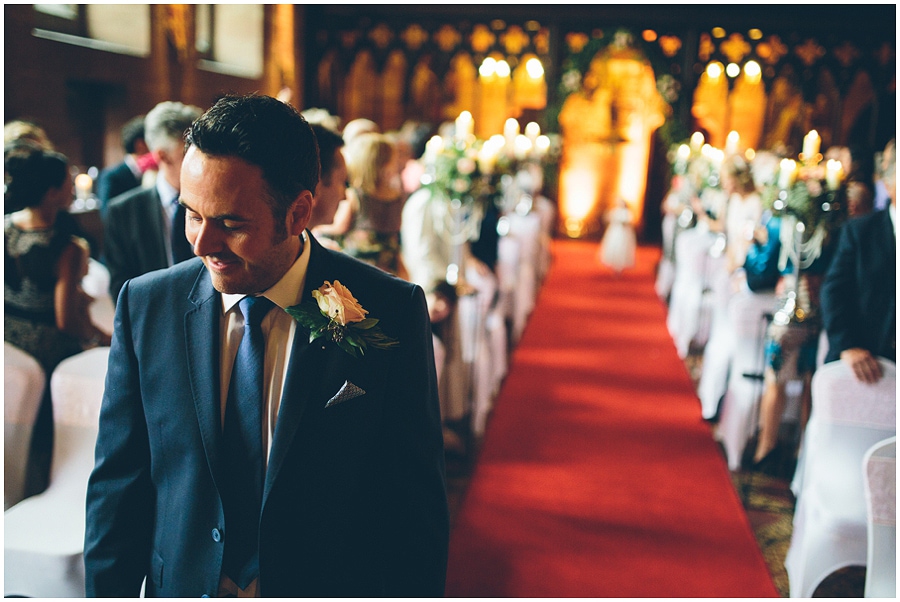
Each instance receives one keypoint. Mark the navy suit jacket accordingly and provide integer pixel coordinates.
(134, 237)
(355, 498)
(113, 181)
(859, 293)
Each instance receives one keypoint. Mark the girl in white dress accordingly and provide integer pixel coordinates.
(617, 249)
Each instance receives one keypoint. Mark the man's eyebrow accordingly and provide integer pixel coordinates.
(222, 217)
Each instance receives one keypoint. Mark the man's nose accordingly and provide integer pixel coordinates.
(205, 239)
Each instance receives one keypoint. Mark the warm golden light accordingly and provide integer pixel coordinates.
(503, 69)
(731, 142)
(534, 68)
(580, 183)
(718, 32)
(732, 70)
(649, 35)
(755, 34)
(714, 70)
(488, 67)
(753, 71)
(697, 141)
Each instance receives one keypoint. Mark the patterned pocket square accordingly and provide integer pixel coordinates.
(347, 391)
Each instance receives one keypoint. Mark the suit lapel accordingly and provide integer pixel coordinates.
(310, 366)
(201, 333)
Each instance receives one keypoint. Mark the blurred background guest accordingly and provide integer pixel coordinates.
(128, 174)
(332, 186)
(368, 224)
(144, 228)
(45, 310)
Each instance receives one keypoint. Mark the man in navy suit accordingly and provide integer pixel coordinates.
(859, 294)
(127, 175)
(142, 227)
(354, 498)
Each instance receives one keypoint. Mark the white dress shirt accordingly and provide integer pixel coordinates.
(278, 328)
(168, 198)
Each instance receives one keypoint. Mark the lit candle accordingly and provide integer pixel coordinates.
(433, 148)
(510, 131)
(83, 186)
(522, 146)
(681, 158)
(465, 126)
(697, 141)
(542, 144)
(787, 171)
(834, 173)
(731, 142)
(811, 143)
(532, 130)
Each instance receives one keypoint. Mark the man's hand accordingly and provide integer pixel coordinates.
(864, 365)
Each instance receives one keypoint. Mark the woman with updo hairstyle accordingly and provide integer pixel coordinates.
(45, 308)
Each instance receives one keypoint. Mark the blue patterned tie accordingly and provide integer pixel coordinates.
(244, 467)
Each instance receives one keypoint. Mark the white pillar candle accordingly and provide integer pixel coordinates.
(811, 143)
(786, 173)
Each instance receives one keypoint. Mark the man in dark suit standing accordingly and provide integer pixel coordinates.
(859, 294)
(142, 230)
(128, 174)
(339, 488)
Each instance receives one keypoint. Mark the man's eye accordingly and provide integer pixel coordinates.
(231, 226)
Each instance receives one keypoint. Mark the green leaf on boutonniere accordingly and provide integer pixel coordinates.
(337, 315)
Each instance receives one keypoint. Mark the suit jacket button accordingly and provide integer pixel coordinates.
(216, 535)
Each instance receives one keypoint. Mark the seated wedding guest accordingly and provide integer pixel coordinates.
(128, 174)
(743, 211)
(316, 116)
(859, 197)
(792, 349)
(859, 297)
(45, 308)
(332, 186)
(315, 474)
(359, 126)
(144, 227)
(368, 224)
(882, 161)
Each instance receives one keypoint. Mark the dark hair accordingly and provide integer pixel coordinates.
(329, 141)
(30, 170)
(265, 132)
(132, 131)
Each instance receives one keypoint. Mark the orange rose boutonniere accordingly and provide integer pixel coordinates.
(335, 313)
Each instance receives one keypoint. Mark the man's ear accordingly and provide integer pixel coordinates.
(299, 213)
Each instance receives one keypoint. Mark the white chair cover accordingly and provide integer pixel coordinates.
(746, 312)
(96, 284)
(847, 418)
(527, 230)
(44, 534)
(880, 480)
(686, 300)
(719, 348)
(23, 389)
(546, 209)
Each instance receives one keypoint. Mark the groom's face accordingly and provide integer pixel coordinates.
(230, 223)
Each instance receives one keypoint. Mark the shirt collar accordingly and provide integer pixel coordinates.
(892, 211)
(166, 191)
(287, 291)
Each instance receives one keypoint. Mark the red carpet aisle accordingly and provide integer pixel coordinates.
(598, 476)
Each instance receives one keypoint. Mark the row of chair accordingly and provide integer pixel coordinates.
(845, 483)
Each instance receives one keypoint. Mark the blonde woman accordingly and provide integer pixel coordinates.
(372, 212)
